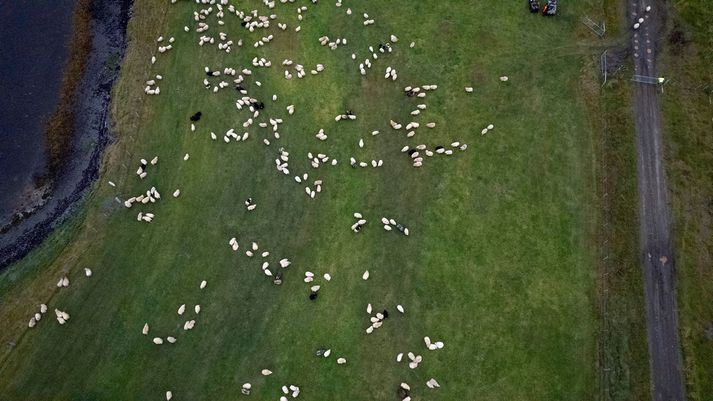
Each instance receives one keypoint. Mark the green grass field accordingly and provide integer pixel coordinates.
(688, 109)
(501, 260)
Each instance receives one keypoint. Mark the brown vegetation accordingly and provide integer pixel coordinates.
(61, 123)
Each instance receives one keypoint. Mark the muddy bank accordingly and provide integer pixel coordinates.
(90, 136)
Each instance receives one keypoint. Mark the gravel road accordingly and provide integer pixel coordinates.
(667, 382)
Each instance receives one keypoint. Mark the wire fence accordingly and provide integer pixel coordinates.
(597, 29)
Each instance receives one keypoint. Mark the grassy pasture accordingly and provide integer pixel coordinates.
(499, 264)
(687, 110)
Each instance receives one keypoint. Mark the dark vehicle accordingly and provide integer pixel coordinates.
(534, 6)
(550, 9)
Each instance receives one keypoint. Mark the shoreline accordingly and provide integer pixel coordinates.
(59, 122)
(88, 108)
(32, 78)
(62, 118)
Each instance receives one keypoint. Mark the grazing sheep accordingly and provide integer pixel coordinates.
(62, 317)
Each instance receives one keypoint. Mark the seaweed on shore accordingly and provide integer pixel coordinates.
(60, 126)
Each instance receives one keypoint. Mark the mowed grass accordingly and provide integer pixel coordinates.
(499, 264)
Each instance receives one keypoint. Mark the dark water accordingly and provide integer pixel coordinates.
(33, 51)
(90, 135)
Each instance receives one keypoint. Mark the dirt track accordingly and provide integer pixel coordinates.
(657, 253)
